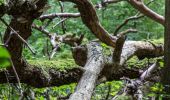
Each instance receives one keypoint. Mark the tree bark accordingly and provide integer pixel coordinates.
(93, 67)
(90, 19)
(165, 77)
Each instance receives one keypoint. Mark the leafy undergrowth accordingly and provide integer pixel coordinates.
(135, 62)
(8, 91)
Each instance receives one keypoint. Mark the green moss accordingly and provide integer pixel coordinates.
(60, 64)
(158, 41)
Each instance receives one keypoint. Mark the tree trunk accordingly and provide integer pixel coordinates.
(166, 78)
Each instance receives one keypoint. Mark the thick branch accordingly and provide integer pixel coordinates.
(93, 67)
(141, 50)
(90, 19)
(118, 50)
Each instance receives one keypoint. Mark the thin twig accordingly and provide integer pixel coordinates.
(41, 30)
(60, 22)
(127, 31)
(126, 21)
(135, 17)
(17, 77)
(9, 38)
(6, 75)
(104, 3)
(47, 23)
(14, 32)
(62, 11)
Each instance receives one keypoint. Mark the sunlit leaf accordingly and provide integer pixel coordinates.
(4, 58)
(4, 53)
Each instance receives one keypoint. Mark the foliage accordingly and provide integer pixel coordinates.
(100, 92)
(4, 58)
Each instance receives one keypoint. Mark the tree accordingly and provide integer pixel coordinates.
(166, 78)
(96, 67)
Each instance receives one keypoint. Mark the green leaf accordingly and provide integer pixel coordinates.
(4, 58)
(4, 53)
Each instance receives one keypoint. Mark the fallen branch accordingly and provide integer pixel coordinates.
(93, 67)
(55, 77)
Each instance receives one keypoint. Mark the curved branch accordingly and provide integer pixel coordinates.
(141, 50)
(139, 5)
(90, 19)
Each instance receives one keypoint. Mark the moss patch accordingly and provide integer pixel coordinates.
(60, 64)
(158, 41)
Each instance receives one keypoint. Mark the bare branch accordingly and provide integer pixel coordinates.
(61, 15)
(41, 30)
(76, 15)
(139, 5)
(135, 17)
(127, 31)
(126, 21)
(149, 71)
(60, 22)
(106, 2)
